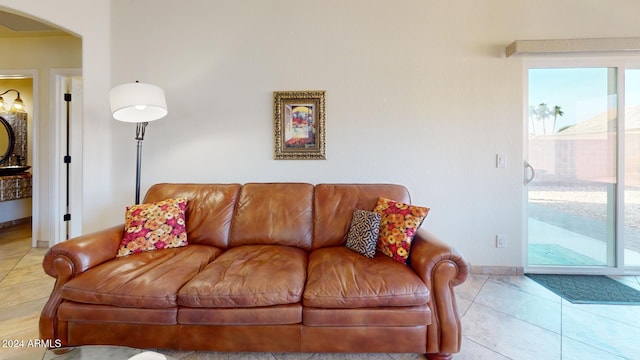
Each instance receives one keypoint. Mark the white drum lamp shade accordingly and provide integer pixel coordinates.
(137, 102)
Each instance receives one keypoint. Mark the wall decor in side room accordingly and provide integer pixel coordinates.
(299, 125)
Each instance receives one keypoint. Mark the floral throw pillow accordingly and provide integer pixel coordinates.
(363, 232)
(154, 226)
(398, 225)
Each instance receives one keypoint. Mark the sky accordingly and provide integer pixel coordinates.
(580, 92)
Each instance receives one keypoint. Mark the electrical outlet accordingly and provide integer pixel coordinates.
(501, 241)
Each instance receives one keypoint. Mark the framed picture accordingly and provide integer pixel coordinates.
(299, 125)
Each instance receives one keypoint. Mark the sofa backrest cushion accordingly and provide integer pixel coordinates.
(274, 214)
(334, 205)
(209, 212)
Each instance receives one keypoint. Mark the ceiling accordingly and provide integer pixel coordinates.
(12, 25)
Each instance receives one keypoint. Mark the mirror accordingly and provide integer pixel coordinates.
(7, 140)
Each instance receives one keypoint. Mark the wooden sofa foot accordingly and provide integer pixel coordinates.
(440, 356)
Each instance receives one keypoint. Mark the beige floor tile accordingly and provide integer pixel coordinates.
(505, 335)
(25, 292)
(9, 263)
(463, 305)
(21, 354)
(471, 287)
(600, 332)
(9, 328)
(92, 352)
(14, 238)
(516, 303)
(33, 257)
(13, 248)
(625, 314)
(24, 274)
(474, 351)
(20, 317)
(22, 309)
(407, 356)
(25, 346)
(527, 285)
(573, 350)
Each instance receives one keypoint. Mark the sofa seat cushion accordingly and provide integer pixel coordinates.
(264, 315)
(340, 278)
(378, 316)
(145, 280)
(249, 276)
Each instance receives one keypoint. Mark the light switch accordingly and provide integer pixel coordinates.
(501, 160)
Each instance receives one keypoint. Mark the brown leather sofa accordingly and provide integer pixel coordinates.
(266, 269)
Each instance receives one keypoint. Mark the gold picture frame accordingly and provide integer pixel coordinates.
(299, 125)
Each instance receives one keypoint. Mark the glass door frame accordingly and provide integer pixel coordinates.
(621, 63)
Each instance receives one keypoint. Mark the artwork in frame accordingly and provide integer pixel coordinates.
(299, 125)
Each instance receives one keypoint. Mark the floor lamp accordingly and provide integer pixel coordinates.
(138, 103)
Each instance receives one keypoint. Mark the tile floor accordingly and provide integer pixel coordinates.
(503, 317)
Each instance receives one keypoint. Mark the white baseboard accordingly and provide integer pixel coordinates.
(497, 270)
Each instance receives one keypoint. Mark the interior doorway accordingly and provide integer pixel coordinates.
(36, 45)
(67, 157)
(16, 183)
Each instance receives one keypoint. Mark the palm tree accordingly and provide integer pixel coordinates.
(557, 111)
(542, 112)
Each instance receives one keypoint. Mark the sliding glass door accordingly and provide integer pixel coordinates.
(582, 167)
(632, 169)
(571, 167)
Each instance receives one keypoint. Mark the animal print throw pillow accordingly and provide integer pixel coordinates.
(363, 232)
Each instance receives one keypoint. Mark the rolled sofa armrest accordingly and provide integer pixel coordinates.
(66, 260)
(85, 252)
(441, 267)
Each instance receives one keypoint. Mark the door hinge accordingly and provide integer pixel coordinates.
(67, 217)
(67, 97)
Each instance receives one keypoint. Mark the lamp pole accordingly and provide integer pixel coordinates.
(140, 130)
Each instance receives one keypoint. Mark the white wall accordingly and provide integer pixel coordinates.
(418, 92)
